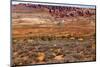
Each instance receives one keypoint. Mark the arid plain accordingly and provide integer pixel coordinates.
(44, 34)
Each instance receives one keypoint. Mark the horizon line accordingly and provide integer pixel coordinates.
(54, 4)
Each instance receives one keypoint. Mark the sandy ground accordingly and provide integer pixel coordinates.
(39, 38)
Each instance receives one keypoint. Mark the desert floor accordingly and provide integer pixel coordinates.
(40, 39)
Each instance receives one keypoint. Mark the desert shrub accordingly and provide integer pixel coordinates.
(14, 40)
(49, 38)
(30, 32)
(63, 37)
(43, 38)
(31, 38)
(69, 36)
(34, 37)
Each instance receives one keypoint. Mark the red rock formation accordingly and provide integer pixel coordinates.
(56, 11)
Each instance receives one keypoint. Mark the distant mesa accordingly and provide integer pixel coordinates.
(56, 11)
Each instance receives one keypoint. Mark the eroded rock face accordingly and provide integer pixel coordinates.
(56, 11)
